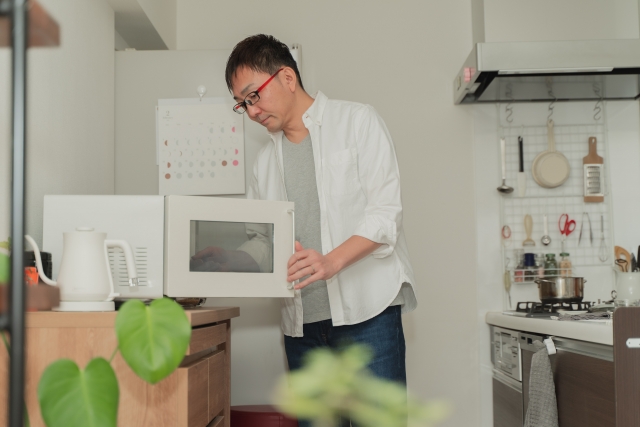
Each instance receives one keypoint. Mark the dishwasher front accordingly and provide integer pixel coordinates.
(509, 398)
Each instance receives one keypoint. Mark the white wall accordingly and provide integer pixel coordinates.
(70, 111)
(399, 57)
(509, 20)
(162, 14)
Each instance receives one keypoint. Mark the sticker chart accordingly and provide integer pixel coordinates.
(200, 147)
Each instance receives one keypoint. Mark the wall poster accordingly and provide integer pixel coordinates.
(200, 147)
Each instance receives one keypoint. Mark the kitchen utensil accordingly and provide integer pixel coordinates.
(634, 263)
(590, 229)
(85, 276)
(522, 178)
(622, 263)
(627, 292)
(528, 227)
(546, 240)
(560, 289)
(593, 166)
(550, 168)
(507, 281)
(622, 253)
(566, 225)
(603, 253)
(506, 235)
(504, 188)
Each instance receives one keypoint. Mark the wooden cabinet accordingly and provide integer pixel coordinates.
(197, 394)
(507, 403)
(585, 389)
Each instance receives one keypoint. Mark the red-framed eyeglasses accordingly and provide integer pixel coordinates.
(252, 97)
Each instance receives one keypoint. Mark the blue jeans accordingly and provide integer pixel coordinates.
(383, 334)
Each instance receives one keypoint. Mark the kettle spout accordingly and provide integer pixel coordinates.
(36, 252)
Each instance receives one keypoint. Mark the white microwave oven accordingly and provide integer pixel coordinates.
(184, 246)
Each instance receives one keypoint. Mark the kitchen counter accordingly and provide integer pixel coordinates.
(595, 332)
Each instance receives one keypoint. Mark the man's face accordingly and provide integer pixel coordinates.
(270, 110)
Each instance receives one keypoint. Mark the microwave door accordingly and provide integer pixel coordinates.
(221, 247)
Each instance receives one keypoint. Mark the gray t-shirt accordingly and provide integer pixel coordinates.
(300, 182)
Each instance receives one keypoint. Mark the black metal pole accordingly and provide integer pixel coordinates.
(19, 35)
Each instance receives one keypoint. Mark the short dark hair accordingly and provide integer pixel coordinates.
(260, 53)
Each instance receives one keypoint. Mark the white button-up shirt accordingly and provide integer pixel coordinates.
(359, 193)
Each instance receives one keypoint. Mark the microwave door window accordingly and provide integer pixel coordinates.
(231, 247)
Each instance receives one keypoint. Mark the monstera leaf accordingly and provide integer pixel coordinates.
(153, 339)
(5, 266)
(71, 397)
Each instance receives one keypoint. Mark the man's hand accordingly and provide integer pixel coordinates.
(214, 258)
(308, 262)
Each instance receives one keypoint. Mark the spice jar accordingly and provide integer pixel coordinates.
(529, 267)
(550, 265)
(539, 262)
(565, 265)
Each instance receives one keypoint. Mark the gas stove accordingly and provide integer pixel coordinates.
(543, 310)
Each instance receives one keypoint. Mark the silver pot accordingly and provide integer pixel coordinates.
(560, 289)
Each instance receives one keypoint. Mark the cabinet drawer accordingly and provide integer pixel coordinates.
(202, 390)
(206, 337)
(217, 383)
(193, 394)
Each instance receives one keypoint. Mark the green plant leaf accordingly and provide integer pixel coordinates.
(153, 339)
(5, 268)
(71, 397)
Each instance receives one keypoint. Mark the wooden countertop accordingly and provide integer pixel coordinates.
(59, 319)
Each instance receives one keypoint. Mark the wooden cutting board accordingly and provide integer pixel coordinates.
(593, 167)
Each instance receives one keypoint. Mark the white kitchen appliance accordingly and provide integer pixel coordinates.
(84, 280)
(577, 70)
(172, 239)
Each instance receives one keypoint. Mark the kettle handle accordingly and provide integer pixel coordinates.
(36, 252)
(128, 257)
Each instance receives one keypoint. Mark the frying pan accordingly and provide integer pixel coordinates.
(550, 168)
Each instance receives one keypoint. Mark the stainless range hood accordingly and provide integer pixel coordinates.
(587, 70)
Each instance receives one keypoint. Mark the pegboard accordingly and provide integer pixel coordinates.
(572, 141)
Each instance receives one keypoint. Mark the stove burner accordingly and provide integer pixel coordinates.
(538, 309)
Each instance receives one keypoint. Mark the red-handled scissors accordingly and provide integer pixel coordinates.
(566, 225)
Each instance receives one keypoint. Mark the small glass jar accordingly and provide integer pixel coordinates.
(539, 262)
(565, 265)
(529, 267)
(550, 266)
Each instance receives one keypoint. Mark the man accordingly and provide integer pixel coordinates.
(337, 162)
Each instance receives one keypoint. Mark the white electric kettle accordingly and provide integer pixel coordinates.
(84, 279)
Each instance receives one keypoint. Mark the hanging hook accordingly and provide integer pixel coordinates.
(551, 95)
(597, 109)
(508, 109)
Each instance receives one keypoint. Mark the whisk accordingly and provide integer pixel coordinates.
(603, 254)
(507, 281)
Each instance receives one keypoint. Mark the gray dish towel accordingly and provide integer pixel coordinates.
(543, 408)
